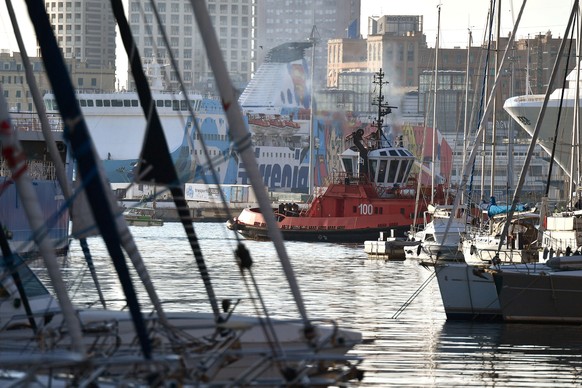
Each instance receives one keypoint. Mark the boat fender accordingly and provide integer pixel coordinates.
(545, 255)
(407, 193)
(418, 250)
(473, 249)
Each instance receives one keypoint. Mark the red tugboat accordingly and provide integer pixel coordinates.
(373, 193)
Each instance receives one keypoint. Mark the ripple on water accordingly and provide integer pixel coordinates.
(419, 348)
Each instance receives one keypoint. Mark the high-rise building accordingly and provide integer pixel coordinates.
(284, 21)
(233, 21)
(85, 30)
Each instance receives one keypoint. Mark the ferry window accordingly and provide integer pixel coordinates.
(89, 102)
(134, 103)
(160, 103)
(168, 103)
(116, 103)
(382, 171)
(83, 102)
(175, 105)
(392, 170)
(106, 102)
(183, 105)
(126, 103)
(99, 102)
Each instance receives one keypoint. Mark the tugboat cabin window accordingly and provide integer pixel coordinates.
(348, 166)
(373, 165)
(392, 170)
(382, 171)
(403, 169)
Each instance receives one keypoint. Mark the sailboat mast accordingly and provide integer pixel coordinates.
(466, 124)
(575, 156)
(495, 103)
(434, 113)
(16, 160)
(242, 138)
(480, 130)
(51, 145)
(539, 121)
(311, 175)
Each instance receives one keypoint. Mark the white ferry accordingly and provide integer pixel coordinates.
(276, 106)
(525, 110)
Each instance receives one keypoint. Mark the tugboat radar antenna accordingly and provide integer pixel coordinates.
(383, 107)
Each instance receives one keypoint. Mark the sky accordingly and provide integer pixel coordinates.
(457, 17)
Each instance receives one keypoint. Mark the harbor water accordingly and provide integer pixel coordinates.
(396, 305)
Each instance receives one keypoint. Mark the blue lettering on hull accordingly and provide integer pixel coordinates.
(279, 176)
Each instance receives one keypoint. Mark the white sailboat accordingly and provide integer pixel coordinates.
(468, 290)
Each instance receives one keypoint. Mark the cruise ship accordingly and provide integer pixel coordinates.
(525, 110)
(276, 105)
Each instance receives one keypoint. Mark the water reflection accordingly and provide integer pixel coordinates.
(417, 349)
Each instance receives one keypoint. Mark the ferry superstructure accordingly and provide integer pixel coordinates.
(276, 107)
(525, 110)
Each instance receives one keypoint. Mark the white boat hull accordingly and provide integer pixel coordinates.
(468, 292)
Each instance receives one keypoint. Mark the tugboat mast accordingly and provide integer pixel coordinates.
(383, 107)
